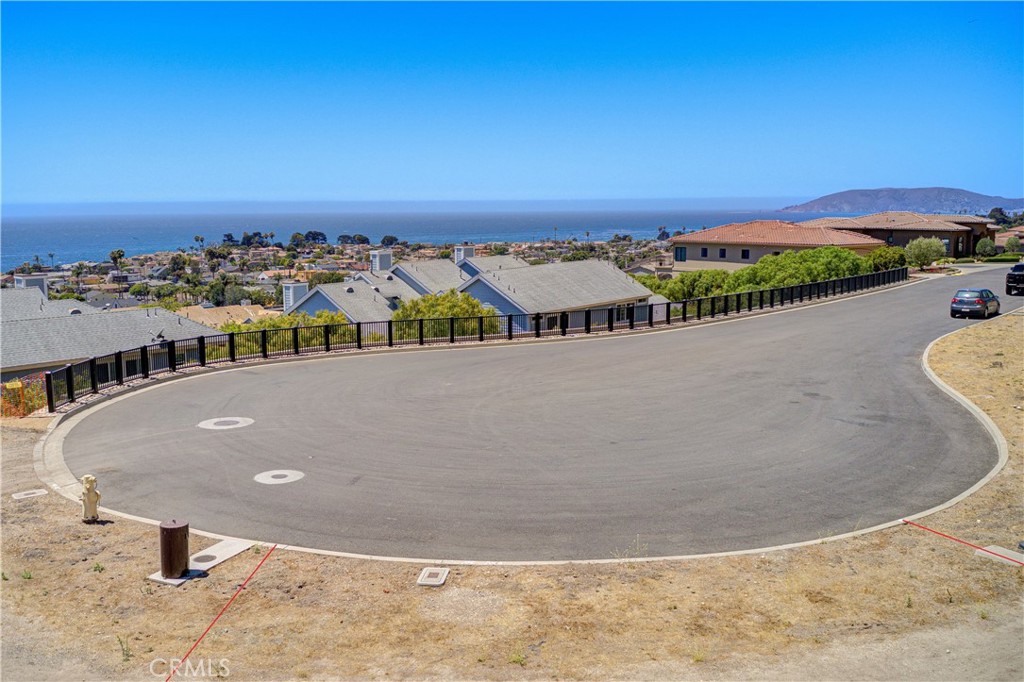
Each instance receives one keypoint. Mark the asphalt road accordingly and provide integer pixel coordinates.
(762, 431)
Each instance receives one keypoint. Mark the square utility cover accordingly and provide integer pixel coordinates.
(432, 577)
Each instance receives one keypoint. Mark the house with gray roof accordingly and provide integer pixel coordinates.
(575, 287)
(31, 303)
(30, 344)
(359, 300)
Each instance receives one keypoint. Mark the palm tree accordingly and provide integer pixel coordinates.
(200, 240)
(51, 254)
(76, 271)
(115, 257)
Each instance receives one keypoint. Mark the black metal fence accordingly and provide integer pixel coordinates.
(90, 376)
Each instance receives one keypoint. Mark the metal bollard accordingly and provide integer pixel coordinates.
(174, 548)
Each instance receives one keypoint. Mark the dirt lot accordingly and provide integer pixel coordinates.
(900, 603)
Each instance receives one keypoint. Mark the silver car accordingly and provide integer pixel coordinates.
(981, 302)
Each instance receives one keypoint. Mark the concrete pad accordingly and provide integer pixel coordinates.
(432, 577)
(29, 493)
(1008, 553)
(201, 562)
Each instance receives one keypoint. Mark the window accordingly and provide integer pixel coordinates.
(745, 254)
(680, 253)
(703, 252)
(721, 253)
(621, 315)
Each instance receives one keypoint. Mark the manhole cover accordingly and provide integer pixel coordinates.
(225, 423)
(278, 476)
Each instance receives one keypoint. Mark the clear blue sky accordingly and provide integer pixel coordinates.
(324, 101)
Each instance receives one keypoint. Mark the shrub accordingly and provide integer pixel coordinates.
(1013, 245)
(1004, 258)
(947, 261)
(887, 258)
(448, 304)
(985, 248)
(923, 251)
(797, 267)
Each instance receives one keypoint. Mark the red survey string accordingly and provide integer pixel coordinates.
(214, 621)
(963, 542)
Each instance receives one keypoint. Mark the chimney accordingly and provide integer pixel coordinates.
(380, 260)
(462, 252)
(292, 293)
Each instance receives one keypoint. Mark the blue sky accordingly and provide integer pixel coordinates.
(346, 101)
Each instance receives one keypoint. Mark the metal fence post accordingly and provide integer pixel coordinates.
(611, 319)
(69, 381)
(421, 330)
(668, 313)
(93, 379)
(172, 356)
(201, 348)
(359, 334)
(119, 367)
(586, 321)
(509, 329)
(713, 306)
(144, 361)
(48, 381)
(750, 301)
(699, 301)
(327, 338)
(563, 322)
(480, 328)
(650, 314)
(295, 339)
(264, 343)
(631, 316)
(451, 330)
(391, 333)
(232, 349)
(536, 325)
(686, 304)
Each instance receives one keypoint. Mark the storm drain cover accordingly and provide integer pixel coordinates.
(432, 577)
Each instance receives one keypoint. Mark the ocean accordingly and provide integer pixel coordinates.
(93, 237)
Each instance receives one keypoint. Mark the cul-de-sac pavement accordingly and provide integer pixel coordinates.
(749, 433)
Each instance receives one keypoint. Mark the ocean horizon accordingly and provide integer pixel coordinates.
(73, 238)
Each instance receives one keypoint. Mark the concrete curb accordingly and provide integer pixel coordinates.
(52, 470)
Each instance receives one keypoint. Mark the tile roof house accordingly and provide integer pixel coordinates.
(32, 342)
(959, 233)
(746, 243)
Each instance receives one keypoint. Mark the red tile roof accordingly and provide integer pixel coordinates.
(902, 220)
(776, 233)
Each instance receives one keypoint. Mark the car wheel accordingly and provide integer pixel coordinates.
(952, 314)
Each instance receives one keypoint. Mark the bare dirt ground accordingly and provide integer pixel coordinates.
(896, 604)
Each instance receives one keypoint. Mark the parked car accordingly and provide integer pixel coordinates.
(974, 302)
(1015, 280)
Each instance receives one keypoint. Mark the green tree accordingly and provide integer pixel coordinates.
(1013, 245)
(360, 239)
(287, 321)
(924, 251)
(887, 258)
(574, 256)
(448, 304)
(985, 248)
(499, 250)
(315, 237)
(388, 240)
(139, 290)
(999, 216)
(116, 256)
(318, 278)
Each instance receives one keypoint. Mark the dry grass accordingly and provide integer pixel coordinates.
(312, 617)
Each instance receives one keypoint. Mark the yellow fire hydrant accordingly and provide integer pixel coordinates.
(90, 499)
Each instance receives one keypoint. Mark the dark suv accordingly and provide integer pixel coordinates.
(1015, 280)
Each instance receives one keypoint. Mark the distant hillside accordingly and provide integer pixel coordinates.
(921, 199)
